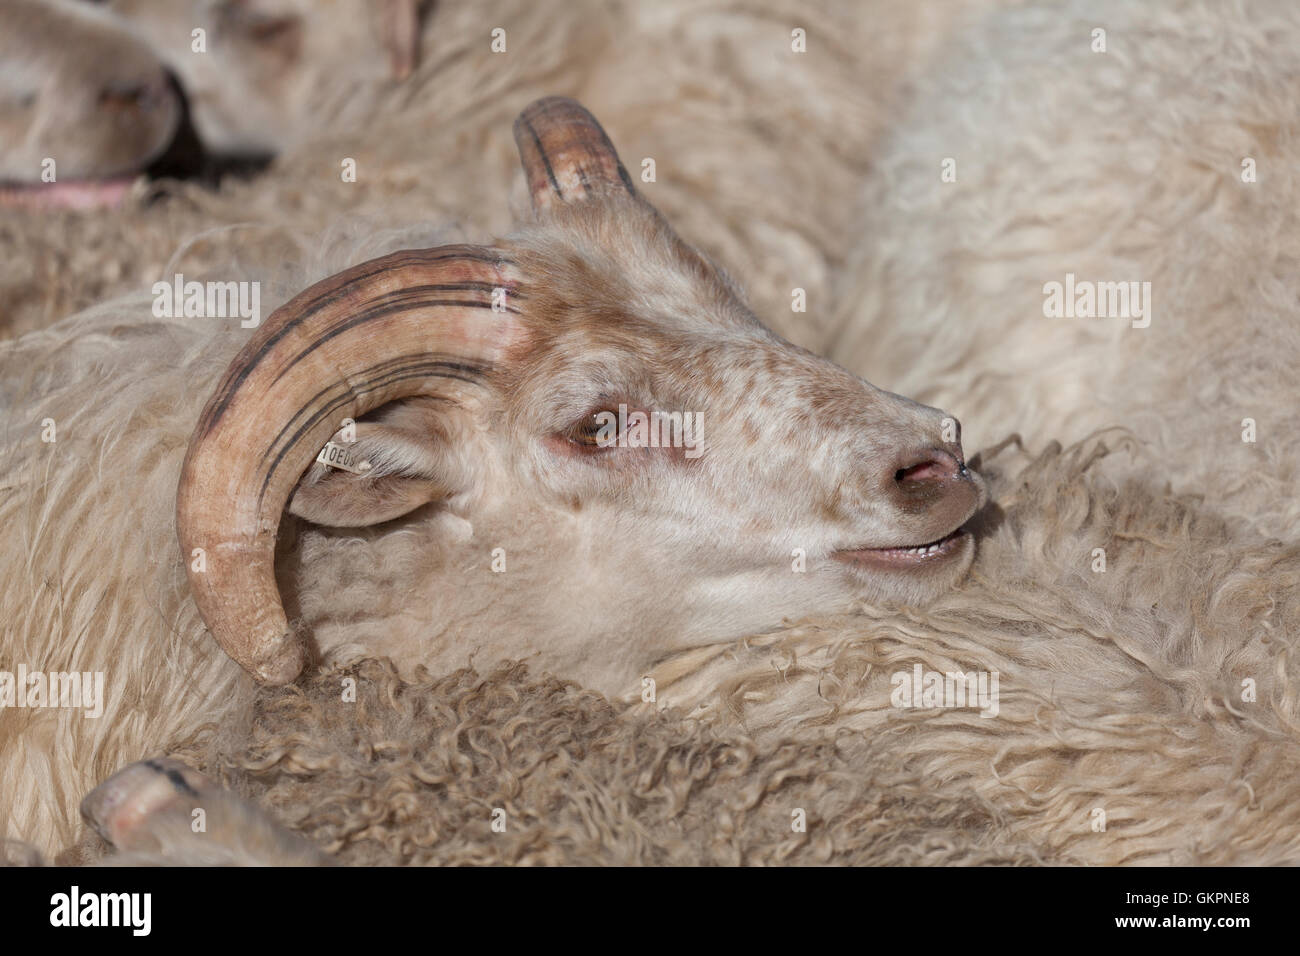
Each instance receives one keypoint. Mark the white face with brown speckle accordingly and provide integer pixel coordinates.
(792, 487)
(581, 445)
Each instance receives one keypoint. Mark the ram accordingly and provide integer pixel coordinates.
(1141, 636)
(526, 532)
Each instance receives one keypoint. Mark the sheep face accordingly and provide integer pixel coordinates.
(613, 431)
(80, 90)
(801, 471)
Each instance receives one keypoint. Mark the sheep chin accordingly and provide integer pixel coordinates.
(911, 576)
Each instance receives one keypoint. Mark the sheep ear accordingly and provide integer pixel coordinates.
(565, 154)
(399, 25)
(384, 473)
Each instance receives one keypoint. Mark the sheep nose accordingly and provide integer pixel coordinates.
(929, 478)
(930, 464)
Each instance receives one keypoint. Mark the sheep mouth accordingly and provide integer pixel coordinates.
(907, 557)
(106, 193)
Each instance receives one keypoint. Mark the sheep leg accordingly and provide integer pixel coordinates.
(163, 811)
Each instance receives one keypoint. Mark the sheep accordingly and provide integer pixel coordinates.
(260, 76)
(752, 165)
(85, 105)
(1146, 713)
(495, 364)
(1136, 588)
(578, 780)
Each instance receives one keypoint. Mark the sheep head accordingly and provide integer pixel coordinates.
(253, 89)
(525, 387)
(78, 88)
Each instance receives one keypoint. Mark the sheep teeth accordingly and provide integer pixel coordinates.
(922, 549)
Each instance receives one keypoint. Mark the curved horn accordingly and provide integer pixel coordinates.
(419, 322)
(565, 153)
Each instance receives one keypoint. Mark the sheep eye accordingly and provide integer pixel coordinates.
(278, 35)
(272, 30)
(595, 432)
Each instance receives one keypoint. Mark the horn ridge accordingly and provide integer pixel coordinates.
(566, 154)
(419, 322)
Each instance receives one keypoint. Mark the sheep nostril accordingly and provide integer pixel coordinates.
(124, 98)
(932, 467)
(927, 469)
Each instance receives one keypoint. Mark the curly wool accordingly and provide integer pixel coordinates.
(411, 772)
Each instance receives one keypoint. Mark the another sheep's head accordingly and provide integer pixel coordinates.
(80, 89)
(251, 90)
(525, 387)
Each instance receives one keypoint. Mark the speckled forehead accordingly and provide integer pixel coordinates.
(663, 320)
(764, 372)
(617, 262)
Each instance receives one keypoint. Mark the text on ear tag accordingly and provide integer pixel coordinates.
(334, 455)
